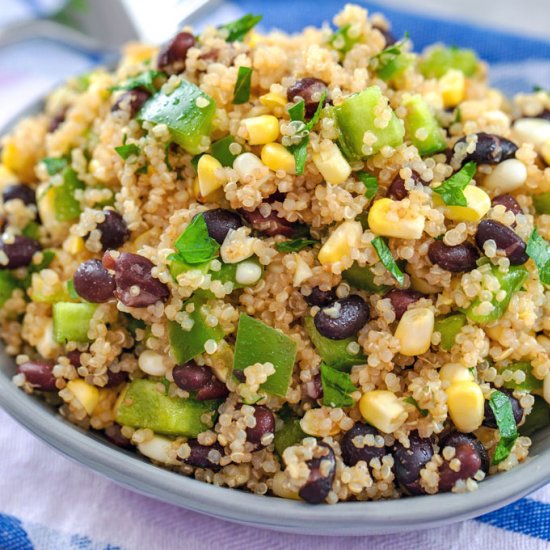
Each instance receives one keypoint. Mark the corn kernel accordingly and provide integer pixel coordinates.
(545, 152)
(340, 242)
(453, 87)
(334, 168)
(45, 202)
(272, 100)
(383, 410)
(208, 176)
(415, 330)
(478, 204)
(277, 157)
(261, 129)
(455, 372)
(160, 449)
(303, 271)
(74, 244)
(410, 226)
(86, 395)
(466, 403)
(506, 176)
(281, 487)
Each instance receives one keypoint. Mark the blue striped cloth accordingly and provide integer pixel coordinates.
(47, 502)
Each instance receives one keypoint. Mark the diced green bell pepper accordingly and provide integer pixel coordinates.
(356, 115)
(440, 59)
(187, 345)
(290, 434)
(178, 266)
(142, 405)
(449, 327)
(510, 282)
(362, 278)
(31, 230)
(541, 203)
(259, 343)
(530, 383)
(420, 117)
(66, 206)
(8, 283)
(537, 419)
(71, 321)
(188, 123)
(333, 352)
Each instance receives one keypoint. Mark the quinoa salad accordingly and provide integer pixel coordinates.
(313, 266)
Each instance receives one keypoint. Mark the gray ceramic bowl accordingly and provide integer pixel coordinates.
(350, 518)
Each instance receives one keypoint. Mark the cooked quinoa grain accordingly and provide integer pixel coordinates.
(328, 282)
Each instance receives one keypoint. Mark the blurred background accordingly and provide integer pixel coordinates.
(44, 41)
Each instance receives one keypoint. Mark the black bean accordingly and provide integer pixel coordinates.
(457, 258)
(115, 379)
(310, 90)
(509, 203)
(172, 56)
(265, 424)
(56, 121)
(201, 455)
(114, 435)
(505, 238)
(320, 297)
(489, 417)
(490, 149)
(191, 377)
(19, 252)
(269, 225)
(354, 447)
(321, 475)
(314, 388)
(343, 318)
(114, 231)
(93, 282)
(135, 284)
(388, 36)
(215, 389)
(19, 191)
(131, 101)
(220, 221)
(472, 456)
(39, 374)
(409, 461)
(74, 357)
(401, 299)
(397, 190)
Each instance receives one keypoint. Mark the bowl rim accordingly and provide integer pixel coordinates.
(345, 518)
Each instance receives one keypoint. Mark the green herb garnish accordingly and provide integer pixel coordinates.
(341, 41)
(237, 30)
(71, 290)
(393, 60)
(386, 258)
(451, 190)
(294, 245)
(412, 401)
(143, 80)
(337, 387)
(55, 165)
(127, 150)
(538, 250)
(241, 93)
(297, 115)
(504, 416)
(370, 182)
(195, 245)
